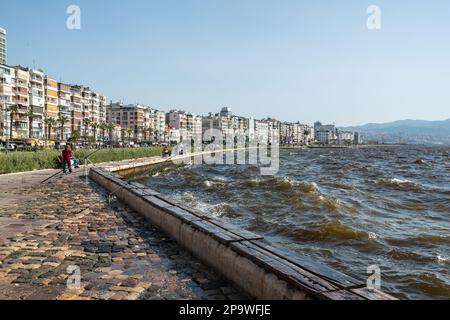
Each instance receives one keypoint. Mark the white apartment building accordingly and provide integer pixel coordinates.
(262, 131)
(325, 134)
(37, 103)
(6, 98)
(3, 47)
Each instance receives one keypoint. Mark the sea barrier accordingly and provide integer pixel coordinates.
(255, 266)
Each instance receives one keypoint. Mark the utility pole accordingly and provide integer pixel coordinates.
(5, 120)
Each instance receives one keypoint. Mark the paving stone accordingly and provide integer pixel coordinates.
(120, 256)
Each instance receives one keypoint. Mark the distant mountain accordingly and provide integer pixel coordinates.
(411, 131)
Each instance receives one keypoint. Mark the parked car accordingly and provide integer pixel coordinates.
(11, 147)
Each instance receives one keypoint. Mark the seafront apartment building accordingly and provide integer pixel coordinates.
(136, 122)
(3, 46)
(39, 107)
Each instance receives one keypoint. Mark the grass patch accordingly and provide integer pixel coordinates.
(21, 161)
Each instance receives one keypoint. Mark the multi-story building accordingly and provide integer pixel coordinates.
(65, 111)
(86, 101)
(102, 107)
(358, 138)
(344, 136)
(286, 133)
(3, 47)
(324, 134)
(262, 131)
(51, 106)
(76, 111)
(159, 125)
(95, 108)
(274, 129)
(21, 98)
(177, 121)
(38, 99)
(143, 121)
(37, 104)
(224, 124)
(194, 126)
(309, 135)
(7, 83)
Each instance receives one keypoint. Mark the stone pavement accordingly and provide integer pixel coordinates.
(49, 230)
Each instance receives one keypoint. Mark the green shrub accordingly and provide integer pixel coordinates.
(20, 161)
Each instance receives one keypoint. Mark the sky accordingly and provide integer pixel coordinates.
(293, 60)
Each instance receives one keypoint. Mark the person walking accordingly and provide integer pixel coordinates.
(67, 159)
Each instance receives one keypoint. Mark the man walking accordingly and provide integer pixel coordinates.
(67, 159)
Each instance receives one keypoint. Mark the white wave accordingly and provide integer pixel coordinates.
(208, 184)
(401, 181)
(372, 236)
(441, 259)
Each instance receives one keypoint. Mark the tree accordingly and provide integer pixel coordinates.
(75, 136)
(129, 131)
(30, 115)
(94, 126)
(86, 123)
(103, 127)
(50, 122)
(13, 110)
(150, 132)
(62, 120)
(111, 127)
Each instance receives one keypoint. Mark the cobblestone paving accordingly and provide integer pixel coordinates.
(45, 228)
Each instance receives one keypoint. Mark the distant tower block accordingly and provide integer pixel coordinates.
(3, 46)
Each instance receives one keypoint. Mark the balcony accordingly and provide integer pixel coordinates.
(65, 110)
(38, 110)
(64, 103)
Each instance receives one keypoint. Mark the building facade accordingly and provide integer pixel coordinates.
(7, 82)
(3, 47)
(41, 108)
(37, 104)
(21, 99)
(325, 134)
(138, 123)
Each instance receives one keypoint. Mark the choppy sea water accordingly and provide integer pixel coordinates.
(346, 208)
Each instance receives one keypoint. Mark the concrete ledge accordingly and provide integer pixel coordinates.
(246, 259)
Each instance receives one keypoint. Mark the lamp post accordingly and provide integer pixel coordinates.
(3, 100)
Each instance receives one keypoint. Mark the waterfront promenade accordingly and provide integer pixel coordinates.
(47, 227)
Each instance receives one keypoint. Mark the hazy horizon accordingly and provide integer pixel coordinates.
(291, 60)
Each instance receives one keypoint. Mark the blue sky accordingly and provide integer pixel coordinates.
(293, 60)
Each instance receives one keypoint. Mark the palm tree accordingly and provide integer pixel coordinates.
(94, 126)
(111, 127)
(13, 109)
(86, 123)
(151, 131)
(30, 115)
(129, 131)
(75, 136)
(50, 122)
(103, 127)
(62, 120)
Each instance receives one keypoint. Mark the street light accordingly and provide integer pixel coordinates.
(4, 101)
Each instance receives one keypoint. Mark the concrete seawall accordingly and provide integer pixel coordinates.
(254, 265)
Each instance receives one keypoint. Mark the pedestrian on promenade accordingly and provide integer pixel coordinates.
(166, 152)
(67, 159)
